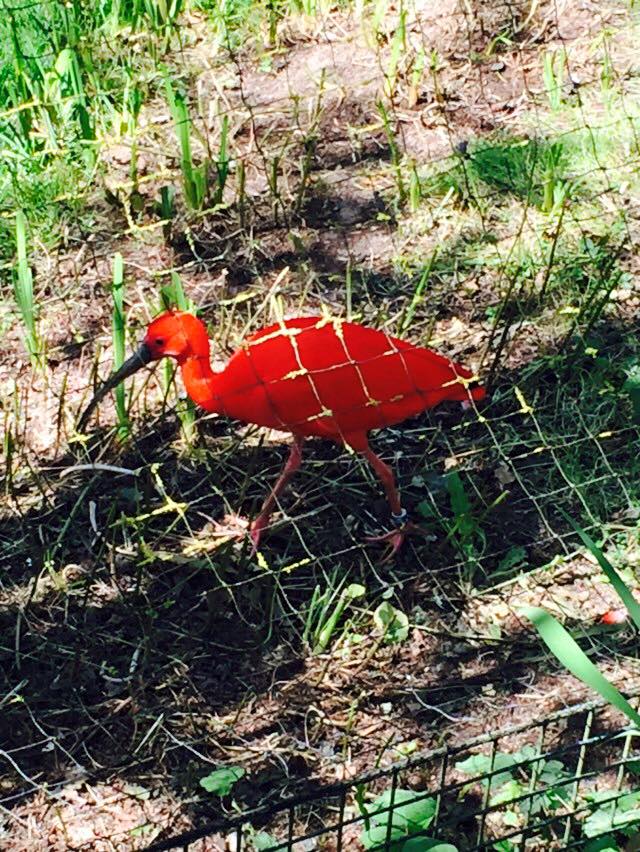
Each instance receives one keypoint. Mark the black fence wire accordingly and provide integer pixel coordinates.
(571, 781)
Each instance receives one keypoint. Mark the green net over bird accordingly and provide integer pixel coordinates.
(312, 377)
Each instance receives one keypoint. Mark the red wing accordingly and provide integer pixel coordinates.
(346, 375)
(317, 344)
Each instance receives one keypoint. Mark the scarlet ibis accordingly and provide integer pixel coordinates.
(313, 376)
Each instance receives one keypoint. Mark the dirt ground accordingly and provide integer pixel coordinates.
(139, 654)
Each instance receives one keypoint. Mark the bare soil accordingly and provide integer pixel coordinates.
(133, 671)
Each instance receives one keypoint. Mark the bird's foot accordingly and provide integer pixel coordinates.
(236, 527)
(395, 539)
(230, 527)
(255, 531)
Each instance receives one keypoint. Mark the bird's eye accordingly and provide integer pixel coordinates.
(159, 341)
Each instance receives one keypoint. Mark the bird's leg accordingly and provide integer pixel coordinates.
(292, 464)
(399, 516)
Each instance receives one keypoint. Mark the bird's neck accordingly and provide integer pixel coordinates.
(201, 382)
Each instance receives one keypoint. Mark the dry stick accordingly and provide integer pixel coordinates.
(109, 468)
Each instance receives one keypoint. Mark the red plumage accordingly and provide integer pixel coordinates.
(333, 379)
(313, 377)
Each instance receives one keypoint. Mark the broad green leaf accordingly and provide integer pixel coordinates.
(262, 840)
(602, 844)
(353, 591)
(427, 844)
(512, 819)
(514, 556)
(527, 752)
(601, 821)
(375, 837)
(392, 622)
(480, 764)
(552, 770)
(573, 658)
(465, 522)
(410, 817)
(221, 781)
(507, 793)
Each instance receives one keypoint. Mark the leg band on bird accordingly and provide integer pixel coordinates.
(400, 519)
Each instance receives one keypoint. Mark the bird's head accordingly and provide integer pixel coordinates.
(174, 334)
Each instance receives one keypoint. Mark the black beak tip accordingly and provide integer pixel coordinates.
(140, 358)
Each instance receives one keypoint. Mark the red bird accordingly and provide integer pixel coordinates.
(313, 377)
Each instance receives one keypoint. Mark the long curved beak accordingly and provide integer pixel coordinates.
(140, 357)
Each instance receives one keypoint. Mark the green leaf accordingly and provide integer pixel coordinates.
(391, 622)
(552, 770)
(221, 781)
(597, 823)
(602, 844)
(573, 658)
(410, 817)
(480, 764)
(628, 802)
(262, 841)
(514, 556)
(427, 844)
(512, 819)
(507, 793)
(375, 837)
(624, 593)
(351, 592)
(527, 752)
(460, 505)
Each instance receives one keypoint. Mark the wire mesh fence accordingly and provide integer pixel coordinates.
(570, 783)
(464, 177)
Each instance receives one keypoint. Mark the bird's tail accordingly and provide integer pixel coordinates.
(441, 379)
(463, 386)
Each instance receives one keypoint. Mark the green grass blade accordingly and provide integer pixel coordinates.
(353, 591)
(193, 181)
(23, 290)
(181, 299)
(418, 295)
(564, 647)
(623, 591)
(396, 157)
